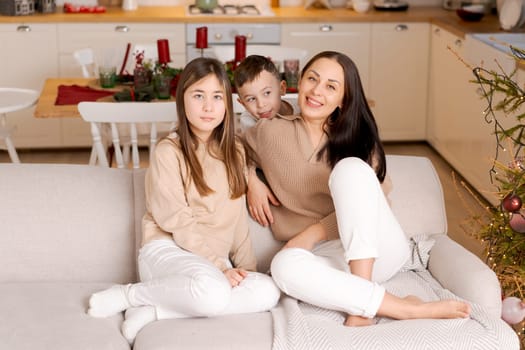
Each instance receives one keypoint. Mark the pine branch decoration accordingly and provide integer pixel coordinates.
(504, 235)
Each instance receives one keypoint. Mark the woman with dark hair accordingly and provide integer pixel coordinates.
(196, 258)
(327, 172)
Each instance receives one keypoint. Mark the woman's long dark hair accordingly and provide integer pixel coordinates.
(222, 143)
(352, 129)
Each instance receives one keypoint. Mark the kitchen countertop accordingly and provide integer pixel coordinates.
(177, 14)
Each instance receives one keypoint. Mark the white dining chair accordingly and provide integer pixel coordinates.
(132, 114)
(86, 59)
(11, 100)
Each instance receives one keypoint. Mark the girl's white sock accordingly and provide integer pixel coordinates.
(109, 302)
(135, 319)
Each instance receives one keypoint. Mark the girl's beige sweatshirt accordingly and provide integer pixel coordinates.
(214, 226)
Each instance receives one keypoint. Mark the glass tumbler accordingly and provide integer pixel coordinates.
(162, 84)
(107, 76)
(291, 73)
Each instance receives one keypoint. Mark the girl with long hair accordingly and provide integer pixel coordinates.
(196, 258)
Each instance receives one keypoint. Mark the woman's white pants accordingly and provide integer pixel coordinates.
(180, 284)
(367, 229)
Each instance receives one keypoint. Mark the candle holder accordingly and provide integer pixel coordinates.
(201, 40)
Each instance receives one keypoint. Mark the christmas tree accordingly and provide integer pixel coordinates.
(503, 235)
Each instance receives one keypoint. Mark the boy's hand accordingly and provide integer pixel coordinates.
(259, 198)
(235, 276)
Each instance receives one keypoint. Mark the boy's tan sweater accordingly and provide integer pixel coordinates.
(214, 227)
(299, 181)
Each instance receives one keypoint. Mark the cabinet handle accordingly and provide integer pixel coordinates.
(401, 27)
(458, 42)
(23, 28)
(249, 36)
(436, 31)
(122, 29)
(325, 28)
(218, 36)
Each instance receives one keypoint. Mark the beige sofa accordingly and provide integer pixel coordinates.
(69, 230)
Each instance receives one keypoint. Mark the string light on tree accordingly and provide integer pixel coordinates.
(504, 235)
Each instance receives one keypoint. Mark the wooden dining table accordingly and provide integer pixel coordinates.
(46, 107)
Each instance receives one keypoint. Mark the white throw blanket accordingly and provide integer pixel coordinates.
(302, 326)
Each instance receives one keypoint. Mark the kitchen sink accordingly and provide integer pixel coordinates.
(502, 41)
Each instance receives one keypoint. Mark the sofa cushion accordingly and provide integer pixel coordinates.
(245, 331)
(417, 196)
(53, 316)
(63, 222)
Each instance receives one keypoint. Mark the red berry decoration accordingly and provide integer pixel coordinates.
(512, 203)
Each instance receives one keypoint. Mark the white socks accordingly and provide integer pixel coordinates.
(135, 319)
(109, 302)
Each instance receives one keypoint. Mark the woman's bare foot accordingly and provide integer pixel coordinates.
(412, 307)
(358, 321)
(441, 309)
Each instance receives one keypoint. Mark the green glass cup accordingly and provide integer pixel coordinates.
(162, 84)
(107, 77)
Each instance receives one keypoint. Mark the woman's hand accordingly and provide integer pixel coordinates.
(308, 238)
(259, 198)
(235, 276)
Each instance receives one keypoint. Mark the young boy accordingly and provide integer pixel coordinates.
(260, 87)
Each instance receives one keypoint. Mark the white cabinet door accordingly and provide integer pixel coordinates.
(353, 39)
(456, 124)
(110, 39)
(28, 57)
(399, 79)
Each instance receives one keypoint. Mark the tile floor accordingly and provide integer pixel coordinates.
(460, 204)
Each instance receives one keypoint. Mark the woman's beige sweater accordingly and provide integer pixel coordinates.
(288, 159)
(214, 227)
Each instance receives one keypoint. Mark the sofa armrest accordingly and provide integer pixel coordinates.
(465, 275)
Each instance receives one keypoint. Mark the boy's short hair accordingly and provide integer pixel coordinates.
(251, 67)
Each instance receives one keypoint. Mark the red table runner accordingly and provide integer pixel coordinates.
(73, 94)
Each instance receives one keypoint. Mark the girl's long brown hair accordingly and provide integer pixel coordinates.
(222, 143)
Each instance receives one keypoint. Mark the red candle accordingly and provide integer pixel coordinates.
(240, 48)
(163, 50)
(202, 38)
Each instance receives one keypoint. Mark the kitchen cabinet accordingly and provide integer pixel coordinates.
(456, 124)
(28, 56)
(399, 78)
(109, 41)
(353, 39)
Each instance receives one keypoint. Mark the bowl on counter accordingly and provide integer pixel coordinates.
(361, 6)
(471, 13)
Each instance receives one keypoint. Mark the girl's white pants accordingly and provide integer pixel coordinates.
(180, 284)
(367, 229)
